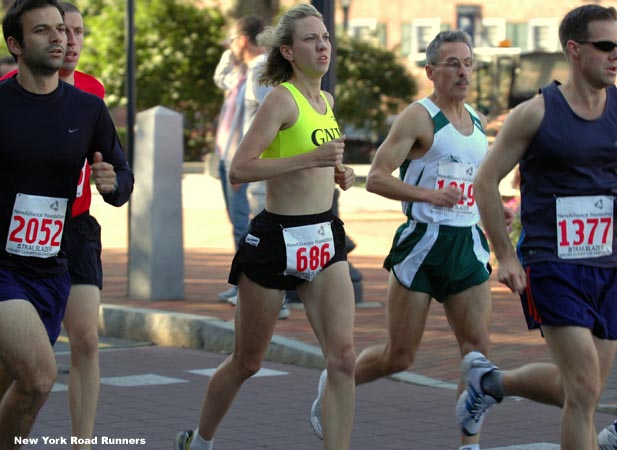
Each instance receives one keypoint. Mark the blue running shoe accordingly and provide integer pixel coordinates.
(473, 403)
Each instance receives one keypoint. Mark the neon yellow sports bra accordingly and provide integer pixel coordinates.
(310, 130)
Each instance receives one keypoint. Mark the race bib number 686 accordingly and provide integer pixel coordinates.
(309, 248)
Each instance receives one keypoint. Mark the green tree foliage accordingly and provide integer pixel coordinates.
(3, 50)
(371, 85)
(177, 48)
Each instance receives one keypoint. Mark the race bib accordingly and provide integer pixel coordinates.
(36, 226)
(459, 176)
(584, 226)
(309, 249)
(82, 180)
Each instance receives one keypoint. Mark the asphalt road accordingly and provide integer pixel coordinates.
(148, 393)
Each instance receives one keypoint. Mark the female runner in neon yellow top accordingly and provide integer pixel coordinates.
(294, 144)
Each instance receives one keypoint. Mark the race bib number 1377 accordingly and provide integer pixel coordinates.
(584, 226)
(36, 226)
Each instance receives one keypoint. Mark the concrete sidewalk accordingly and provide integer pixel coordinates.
(201, 321)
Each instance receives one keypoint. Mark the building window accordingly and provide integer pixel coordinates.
(423, 31)
(406, 40)
(363, 29)
(469, 19)
(542, 35)
(368, 30)
(493, 31)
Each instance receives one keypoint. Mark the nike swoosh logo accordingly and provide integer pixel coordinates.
(73, 130)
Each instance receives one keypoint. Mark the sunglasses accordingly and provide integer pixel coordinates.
(603, 46)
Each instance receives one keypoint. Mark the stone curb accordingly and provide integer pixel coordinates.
(207, 333)
(197, 332)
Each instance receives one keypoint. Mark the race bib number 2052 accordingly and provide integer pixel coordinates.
(36, 226)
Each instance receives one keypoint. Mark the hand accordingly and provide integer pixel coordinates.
(448, 197)
(512, 274)
(344, 176)
(103, 174)
(330, 154)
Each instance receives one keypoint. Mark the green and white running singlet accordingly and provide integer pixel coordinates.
(452, 160)
(442, 251)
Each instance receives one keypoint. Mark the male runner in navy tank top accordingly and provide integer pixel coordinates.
(49, 128)
(565, 140)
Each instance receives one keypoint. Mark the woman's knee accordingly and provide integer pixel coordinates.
(247, 365)
(85, 344)
(343, 360)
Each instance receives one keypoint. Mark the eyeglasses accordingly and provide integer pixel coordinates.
(454, 64)
(603, 46)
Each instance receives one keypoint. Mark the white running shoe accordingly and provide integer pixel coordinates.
(607, 438)
(183, 440)
(233, 300)
(284, 312)
(231, 292)
(473, 403)
(317, 404)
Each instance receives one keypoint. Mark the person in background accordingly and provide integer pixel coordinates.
(7, 64)
(230, 77)
(238, 74)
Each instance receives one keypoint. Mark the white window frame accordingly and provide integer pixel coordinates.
(553, 30)
(370, 24)
(499, 24)
(434, 24)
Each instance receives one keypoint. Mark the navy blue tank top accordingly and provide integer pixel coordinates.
(569, 156)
